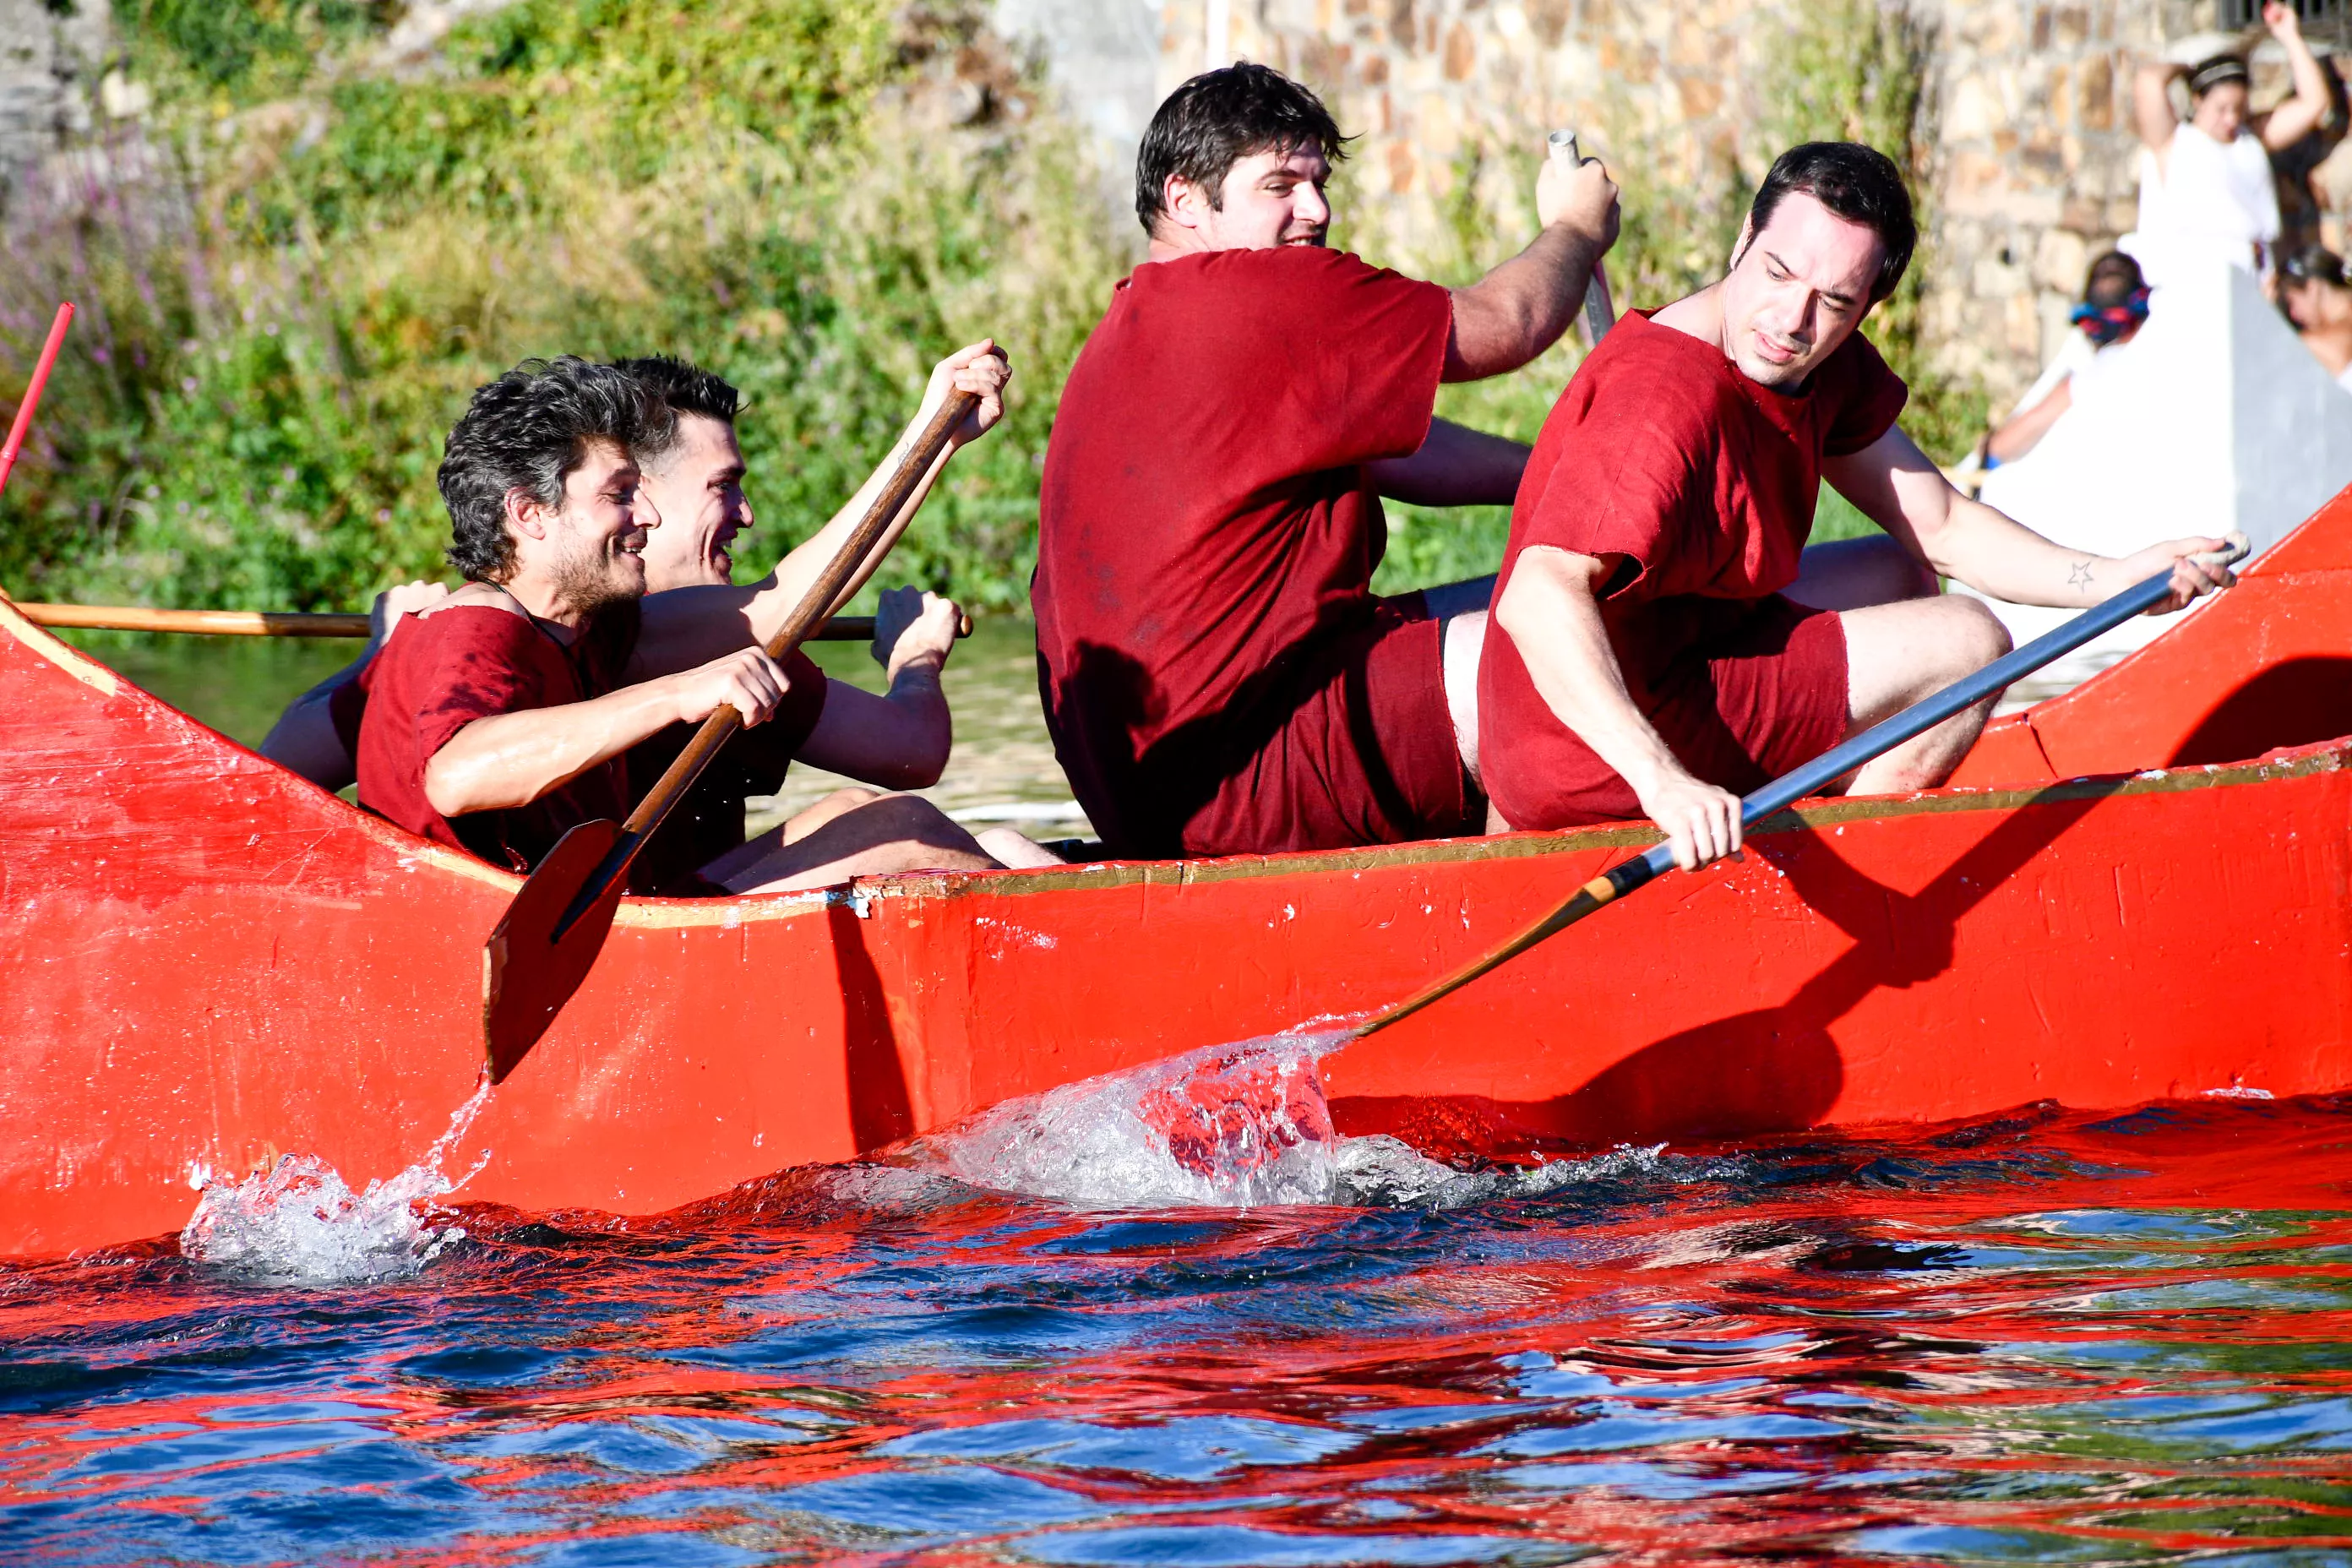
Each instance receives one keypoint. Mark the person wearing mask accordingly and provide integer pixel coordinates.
(2113, 309)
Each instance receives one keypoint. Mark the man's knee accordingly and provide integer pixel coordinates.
(1976, 637)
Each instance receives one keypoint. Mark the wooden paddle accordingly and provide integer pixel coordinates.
(550, 937)
(1814, 777)
(306, 624)
(1599, 314)
(41, 368)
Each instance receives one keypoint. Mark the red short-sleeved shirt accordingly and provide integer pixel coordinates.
(481, 668)
(468, 662)
(1663, 452)
(1216, 672)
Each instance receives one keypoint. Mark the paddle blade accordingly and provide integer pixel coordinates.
(526, 973)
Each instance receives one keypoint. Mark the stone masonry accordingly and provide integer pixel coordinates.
(2025, 140)
(50, 52)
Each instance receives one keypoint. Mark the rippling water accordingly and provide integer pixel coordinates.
(2046, 1337)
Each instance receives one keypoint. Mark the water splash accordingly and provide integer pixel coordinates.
(298, 1222)
(1227, 1127)
(1241, 1126)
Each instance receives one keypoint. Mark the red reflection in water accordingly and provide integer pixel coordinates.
(2042, 1337)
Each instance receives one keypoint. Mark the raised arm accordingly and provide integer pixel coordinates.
(1521, 308)
(1893, 484)
(1551, 611)
(2296, 119)
(1455, 467)
(688, 626)
(2152, 112)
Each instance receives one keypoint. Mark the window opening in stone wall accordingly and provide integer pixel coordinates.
(2328, 20)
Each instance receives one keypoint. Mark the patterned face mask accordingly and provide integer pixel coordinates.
(2104, 326)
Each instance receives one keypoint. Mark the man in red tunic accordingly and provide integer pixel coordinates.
(1662, 640)
(501, 718)
(1216, 672)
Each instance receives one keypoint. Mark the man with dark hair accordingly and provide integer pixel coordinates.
(1660, 644)
(500, 720)
(693, 480)
(1217, 674)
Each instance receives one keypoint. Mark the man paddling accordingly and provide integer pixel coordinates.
(1217, 674)
(693, 480)
(1659, 644)
(499, 719)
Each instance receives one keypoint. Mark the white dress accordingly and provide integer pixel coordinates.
(2205, 200)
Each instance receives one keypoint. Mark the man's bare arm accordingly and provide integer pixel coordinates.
(512, 759)
(900, 740)
(1456, 466)
(1895, 485)
(1552, 612)
(1521, 308)
(304, 739)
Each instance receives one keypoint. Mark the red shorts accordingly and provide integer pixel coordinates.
(1359, 750)
(1763, 689)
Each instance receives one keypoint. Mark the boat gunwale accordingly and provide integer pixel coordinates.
(666, 913)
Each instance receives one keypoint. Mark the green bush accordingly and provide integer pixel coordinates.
(289, 304)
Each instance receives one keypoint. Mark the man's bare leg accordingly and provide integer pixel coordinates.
(856, 833)
(1896, 653)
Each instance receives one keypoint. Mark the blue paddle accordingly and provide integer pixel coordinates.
(1816, 775)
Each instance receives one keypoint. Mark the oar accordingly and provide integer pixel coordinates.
(307, 624)
(1599, 315)
(41, 369)
(1814, 777)
(551, 934)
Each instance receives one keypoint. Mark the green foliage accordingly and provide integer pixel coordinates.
(285, 318)
(1851, 71)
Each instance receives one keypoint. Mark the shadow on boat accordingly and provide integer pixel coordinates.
(2296, 702)
(1768, 1069)
(881, 1113)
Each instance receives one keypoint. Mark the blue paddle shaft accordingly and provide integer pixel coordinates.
(1917, 719)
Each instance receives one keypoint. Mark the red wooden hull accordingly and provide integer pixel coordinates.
(208, 962)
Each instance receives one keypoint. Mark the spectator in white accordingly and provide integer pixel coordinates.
(2317, 299)
(2114, 306)
(2206, 189)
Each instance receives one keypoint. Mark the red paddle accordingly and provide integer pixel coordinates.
(33, 391)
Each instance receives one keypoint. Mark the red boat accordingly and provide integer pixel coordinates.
(2134, 891)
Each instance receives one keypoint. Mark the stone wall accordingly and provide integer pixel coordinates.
(51, 52)
(2024, 141)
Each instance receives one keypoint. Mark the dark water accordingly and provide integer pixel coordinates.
(2044, 1338)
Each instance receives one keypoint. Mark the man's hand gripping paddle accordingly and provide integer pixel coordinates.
(551, 933)
(1816, 775)
(1599, 315)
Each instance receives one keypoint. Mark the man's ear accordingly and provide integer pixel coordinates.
(527, 515)
(1184, 203)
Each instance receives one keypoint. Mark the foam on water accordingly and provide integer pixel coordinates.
(298, 1222)
(1240, 1126)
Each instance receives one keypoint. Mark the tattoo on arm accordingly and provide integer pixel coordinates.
(2079, 577)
